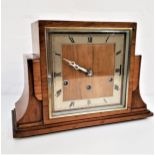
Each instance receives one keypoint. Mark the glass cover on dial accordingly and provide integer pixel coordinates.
(87, 70)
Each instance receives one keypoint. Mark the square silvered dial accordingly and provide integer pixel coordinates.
(87, 70)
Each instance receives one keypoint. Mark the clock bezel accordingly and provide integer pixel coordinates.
(88, 30)
(103, 25)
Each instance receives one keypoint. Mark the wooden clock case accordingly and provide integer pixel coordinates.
(31, 114)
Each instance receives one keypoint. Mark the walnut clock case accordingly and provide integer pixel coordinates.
(81, 74)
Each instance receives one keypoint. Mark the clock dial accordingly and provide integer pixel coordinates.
(86, 70)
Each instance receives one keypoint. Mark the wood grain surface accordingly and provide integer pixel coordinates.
(100, 58)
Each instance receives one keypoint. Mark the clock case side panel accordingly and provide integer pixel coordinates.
(137, 101)
(28, 109)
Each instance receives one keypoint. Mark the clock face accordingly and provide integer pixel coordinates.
(87, 70)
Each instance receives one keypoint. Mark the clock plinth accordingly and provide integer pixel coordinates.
(31, 114)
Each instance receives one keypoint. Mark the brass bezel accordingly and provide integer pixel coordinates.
(128, 31)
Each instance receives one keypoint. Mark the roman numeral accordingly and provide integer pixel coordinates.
(107, 38)
(57, 74)
(105, 100)
(71, 39)
(116, 87)
(58, 93)
(111, 79)
(90, 39)
(119, 70)
(88, 102)
(57, 54)
(71, 104)
(118, 52)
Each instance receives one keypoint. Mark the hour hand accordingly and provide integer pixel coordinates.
(89, 72)
(78, 67)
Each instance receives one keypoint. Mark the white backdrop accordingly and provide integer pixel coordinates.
(17, 16)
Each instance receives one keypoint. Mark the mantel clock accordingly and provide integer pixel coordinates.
(80, 74)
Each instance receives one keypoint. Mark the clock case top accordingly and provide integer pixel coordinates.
(31, 113)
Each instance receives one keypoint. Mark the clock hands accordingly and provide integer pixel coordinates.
(74, 65)
(89, 72)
